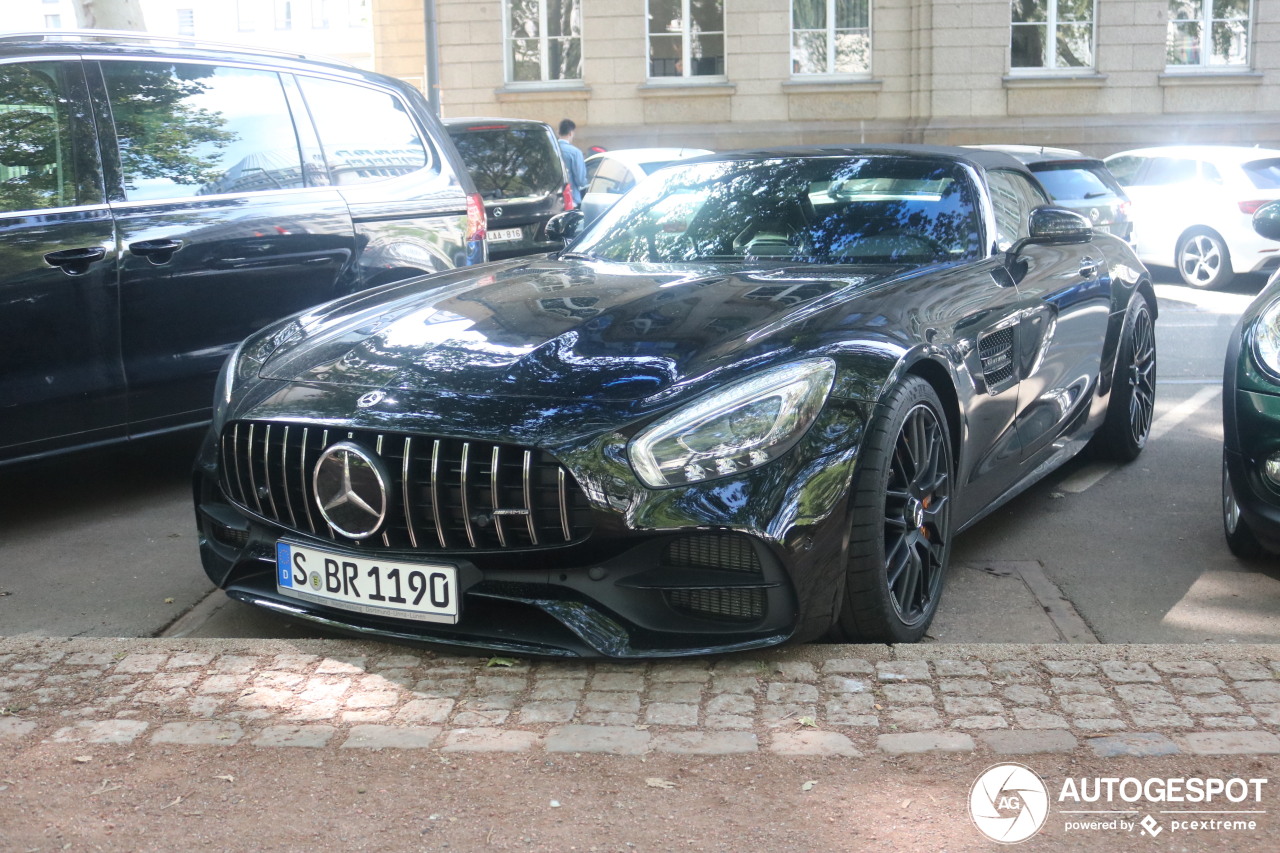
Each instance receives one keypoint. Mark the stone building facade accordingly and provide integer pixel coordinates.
(1099, 75)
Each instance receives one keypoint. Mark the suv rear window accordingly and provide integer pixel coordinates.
(1265, 174)
(510, 162)
(1074, 181)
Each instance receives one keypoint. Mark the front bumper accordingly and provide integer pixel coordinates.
(765, 574)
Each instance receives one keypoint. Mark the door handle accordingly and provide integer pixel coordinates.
(75, 261)
(156, 251)
(1088, 268)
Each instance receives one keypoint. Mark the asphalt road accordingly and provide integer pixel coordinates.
(103, 543)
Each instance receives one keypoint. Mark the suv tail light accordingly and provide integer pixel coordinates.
(1250, 207)
(568, 197)
(1123, 209)
(476, 223)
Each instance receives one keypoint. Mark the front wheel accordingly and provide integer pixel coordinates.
(1240, 538)
(1203, 260)
(1130, 412)
(900, 541)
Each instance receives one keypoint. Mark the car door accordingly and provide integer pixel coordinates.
(61, 381)
(224, 217)
(611, 180)
(1065, 294)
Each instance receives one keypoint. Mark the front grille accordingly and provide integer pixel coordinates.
(724, 604)
(444, 494)
(996, 351)
(713, 551)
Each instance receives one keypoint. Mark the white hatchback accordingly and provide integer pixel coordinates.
(1193, 208)
(611, 174)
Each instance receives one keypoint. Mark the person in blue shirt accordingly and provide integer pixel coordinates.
(574, 162)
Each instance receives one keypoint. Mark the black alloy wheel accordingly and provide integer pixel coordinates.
(1131, 410)
(1240, 538)
(900, 543)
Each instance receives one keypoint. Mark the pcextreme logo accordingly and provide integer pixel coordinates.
(1010, 803)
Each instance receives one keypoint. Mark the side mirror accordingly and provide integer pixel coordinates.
(1266, 220)
(1057, 226)
(565, 226)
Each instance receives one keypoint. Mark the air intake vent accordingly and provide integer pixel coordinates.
(723, 604)
(996, 352)
(444, 494)
(719, 551)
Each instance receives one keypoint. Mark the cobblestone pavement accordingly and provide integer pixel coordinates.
(809, 700)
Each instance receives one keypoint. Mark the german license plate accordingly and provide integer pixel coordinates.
(427, 592)
(506, 235)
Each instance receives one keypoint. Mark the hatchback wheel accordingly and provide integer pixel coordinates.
(1240, 538)
(1203, 260)
(900, 543)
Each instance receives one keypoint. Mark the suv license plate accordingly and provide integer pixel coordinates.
(506, 235)
(427, 592)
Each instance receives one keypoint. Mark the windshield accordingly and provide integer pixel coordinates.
(1074, 181)
(818, 210)
(511, 162)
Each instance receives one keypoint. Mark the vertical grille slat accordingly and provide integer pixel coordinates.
(495, 495)
(435, 493)
(253, 480)
(527, 479)
(471, 492)
(284, 477)
(406, 495)
(466, 499)
(302, 476)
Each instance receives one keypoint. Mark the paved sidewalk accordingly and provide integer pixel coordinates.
(803, 701)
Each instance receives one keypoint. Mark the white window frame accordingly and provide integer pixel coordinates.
(1051, 46)
(1206, 63)
(686, 48)
(544, 52)
(831, 45)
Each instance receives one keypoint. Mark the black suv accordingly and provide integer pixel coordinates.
(159, 202)
(517, 168)
(1077, 182)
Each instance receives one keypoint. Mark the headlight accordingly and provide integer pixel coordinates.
(1266, 337)
(735, 429)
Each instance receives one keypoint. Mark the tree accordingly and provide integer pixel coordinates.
(109, 14)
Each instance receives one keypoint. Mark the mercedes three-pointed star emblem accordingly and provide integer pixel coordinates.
(351, 490)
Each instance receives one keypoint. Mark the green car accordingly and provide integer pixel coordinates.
(1251, 417)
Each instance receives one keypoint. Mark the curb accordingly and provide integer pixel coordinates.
(825, 701)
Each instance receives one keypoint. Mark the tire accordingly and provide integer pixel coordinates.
(1240, 538)
(1127, 426)
(1203, 261)
(900, 502)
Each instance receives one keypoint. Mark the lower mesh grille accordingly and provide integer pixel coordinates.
(718, 551)
(725, 604)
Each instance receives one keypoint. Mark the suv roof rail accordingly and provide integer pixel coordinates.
(89, 35)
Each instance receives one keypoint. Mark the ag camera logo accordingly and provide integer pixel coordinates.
(1009, 803)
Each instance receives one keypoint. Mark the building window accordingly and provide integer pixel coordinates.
(247, 15)
(284, 14)
(1052, 34)
(1208, 33)
(830, 37)
(320, 14)
(186, 22)
(680, 29)
(358, 13)
(53, 22)
(544, 40)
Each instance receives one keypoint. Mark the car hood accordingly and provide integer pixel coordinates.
(562, 329)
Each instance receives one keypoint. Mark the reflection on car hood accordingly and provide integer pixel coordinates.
(561, 329)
